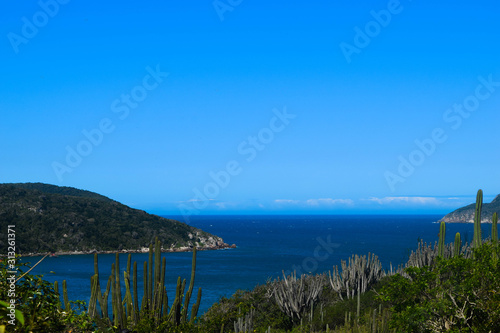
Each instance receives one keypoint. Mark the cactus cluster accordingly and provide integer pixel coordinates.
(295, 295)
(66, 303)
(357, 276)
(244, 324)
(426, 254)
(154, 305)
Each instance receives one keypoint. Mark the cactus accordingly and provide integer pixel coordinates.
(66, 304)
(494, 237)
(136, 296)
(458, 244)
(126, 311)
(157, 273)
(113, 295)
(494, 231)
(95, 290)
(358, 307)
(130, 313)
(104, 299)
(56, 289)
(190, 289)
(477, 219)
(150, 277)
(294, 295)
(442, 235)
(144, 304)
(118, 314)
(67, 307)
(196, 306)
(244, 324)
(367, 270)
(93, 295)
(173, 310)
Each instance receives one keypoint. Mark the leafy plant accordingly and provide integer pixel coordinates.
(456, 294)
(38, 305)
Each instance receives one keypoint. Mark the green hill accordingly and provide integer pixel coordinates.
(51, 218)
(466, 214)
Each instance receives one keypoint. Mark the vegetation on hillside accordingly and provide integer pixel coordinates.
(61, 190)
(49, 218)
(467, 213)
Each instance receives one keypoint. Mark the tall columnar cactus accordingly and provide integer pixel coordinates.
(494, 237)
(93, 296)
(477, 219)
(190, 289)
(128, 306)
(144, 304)
(56, 289)
(66, 303)
(154, 306)
(458, 244)
(442, 235)
(150, 277)
(494, 231)
(196, 306)
(67, 307)
(136, 296)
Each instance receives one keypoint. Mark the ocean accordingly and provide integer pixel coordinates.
(266, 246)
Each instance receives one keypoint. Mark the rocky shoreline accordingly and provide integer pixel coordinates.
(221, 246)
(464, 222)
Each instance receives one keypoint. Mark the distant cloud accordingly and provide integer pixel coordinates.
(286, 201)
(321, 202)
(221, 205)
(192, 200)
(414, 201)
(376, 204)
(329, 202)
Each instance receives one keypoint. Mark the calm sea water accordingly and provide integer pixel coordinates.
(267, 245)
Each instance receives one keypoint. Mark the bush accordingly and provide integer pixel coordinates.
(228, 310)
(455, 294)
(40, 305)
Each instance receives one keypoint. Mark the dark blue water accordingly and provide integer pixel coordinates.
(267, 245)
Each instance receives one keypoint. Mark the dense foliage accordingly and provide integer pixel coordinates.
(53, 219)
(456, 294)
(62, 190)
(40, 305)
(227, 311)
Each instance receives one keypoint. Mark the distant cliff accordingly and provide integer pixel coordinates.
(54, 219)
(466, 214)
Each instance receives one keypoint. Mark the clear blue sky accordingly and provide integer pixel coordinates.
(305, 106)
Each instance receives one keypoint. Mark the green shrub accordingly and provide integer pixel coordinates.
(455, 294)
(227, 310)
(40, 305)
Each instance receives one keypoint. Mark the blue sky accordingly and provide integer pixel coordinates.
(254, 107)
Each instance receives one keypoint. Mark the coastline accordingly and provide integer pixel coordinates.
(464, 222)
(222, 246)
